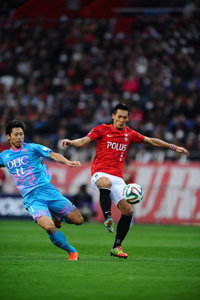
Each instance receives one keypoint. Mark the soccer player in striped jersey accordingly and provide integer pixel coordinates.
(106, 173)
(32, 179)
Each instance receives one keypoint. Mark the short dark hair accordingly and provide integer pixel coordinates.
(14, 124)
(120, 106)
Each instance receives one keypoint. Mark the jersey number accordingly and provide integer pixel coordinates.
(19, 170)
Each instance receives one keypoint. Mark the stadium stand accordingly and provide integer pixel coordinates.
(63, 77)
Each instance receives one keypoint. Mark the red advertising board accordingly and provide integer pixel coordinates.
(172, 193)
(171, 190)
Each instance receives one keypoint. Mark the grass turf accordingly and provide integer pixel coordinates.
(163, 263)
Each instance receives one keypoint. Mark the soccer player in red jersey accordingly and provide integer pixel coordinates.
(112, 143)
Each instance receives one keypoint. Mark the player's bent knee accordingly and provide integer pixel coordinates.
(128, 212)
(51, 229)
(75, 217)
(79, 221)
(47, 224)
(125, 208)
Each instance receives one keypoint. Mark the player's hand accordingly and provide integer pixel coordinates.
(182, 150)
(66, 142)
(74, 164)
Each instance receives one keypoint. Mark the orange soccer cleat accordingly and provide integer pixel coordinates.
(73, 256)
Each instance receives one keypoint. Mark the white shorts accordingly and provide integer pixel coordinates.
(117, 187)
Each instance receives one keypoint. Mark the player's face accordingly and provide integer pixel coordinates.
(120, 119)
(16, 138)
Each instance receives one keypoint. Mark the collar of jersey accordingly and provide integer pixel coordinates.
(17, 149)
(118, 129)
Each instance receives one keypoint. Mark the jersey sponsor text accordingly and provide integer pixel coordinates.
(116, 146)
(18, 162)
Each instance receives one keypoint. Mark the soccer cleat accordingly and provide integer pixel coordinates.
(108, 224)
(73, 256)
(118, 252)
(56, 221)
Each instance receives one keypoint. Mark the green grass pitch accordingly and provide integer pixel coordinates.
(163, 263)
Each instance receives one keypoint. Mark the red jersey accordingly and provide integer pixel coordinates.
(112, 145)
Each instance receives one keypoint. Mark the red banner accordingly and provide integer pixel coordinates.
(171, 190)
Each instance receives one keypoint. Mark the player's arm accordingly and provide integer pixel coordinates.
(61, 159)
(76, 143)
(161, 144)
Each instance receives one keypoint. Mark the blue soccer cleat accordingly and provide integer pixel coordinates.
(109, 225)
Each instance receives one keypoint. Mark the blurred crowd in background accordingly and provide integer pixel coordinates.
(63, 80)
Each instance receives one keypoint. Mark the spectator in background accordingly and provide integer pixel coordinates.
(83, 201)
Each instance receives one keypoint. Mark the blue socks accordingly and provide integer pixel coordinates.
(59, 240)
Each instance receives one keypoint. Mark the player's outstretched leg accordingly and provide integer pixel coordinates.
(57, 237)
(59, 240)
(122, 228)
